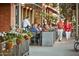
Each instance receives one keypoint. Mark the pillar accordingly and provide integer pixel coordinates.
(32, 16)
(26, 12)
(29, 16)
(19, 15)
(13, 21)
(22, 13)
(77, 19)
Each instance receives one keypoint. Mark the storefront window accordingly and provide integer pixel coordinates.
(17, 15)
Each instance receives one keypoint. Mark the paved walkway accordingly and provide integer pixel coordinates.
(63, 48)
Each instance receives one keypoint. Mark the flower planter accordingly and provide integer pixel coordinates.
(26, 37)
(48, 38)
(9, 45)
(18, 41)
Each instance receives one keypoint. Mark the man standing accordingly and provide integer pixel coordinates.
(60, 26)
(26, 23)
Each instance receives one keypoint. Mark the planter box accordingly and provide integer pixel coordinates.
(48, 38)
(22, 49)
(17, 50)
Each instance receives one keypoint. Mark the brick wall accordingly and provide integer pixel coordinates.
(5, 17)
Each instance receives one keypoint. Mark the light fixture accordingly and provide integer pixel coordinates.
(49, 6)
(45, 6)
(27, 7)
(23, 4)
(30, 8)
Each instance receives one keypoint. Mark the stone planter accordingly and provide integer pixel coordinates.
(48, 38)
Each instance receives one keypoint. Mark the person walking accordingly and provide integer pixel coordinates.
(60, 26)
(68, 28)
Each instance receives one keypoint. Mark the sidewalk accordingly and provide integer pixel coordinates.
(63, 48)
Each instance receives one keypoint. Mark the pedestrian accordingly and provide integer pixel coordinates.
(26, 23)
(60, 26)
(68, 28)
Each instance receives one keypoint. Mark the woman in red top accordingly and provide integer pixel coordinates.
(68, 28)
(60, 26)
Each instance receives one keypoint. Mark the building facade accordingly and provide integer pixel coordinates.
(12, 14)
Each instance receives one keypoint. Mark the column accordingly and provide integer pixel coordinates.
(19, 15)
(13, 21)
(29, 16)
(32, 16)
(22, 13)
(26, 12)
(77, 19)
(43, 10)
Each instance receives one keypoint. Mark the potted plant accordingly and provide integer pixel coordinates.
(19, 39)
(9, 43)
(26, 37)
(30, 34)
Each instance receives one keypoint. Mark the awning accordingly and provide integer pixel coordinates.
(52, 10)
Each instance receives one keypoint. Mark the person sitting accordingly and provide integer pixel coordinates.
(34, 28)
(46, 28)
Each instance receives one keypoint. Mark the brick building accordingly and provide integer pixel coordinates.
(8, 17)
(5, 19)
(12, 14)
